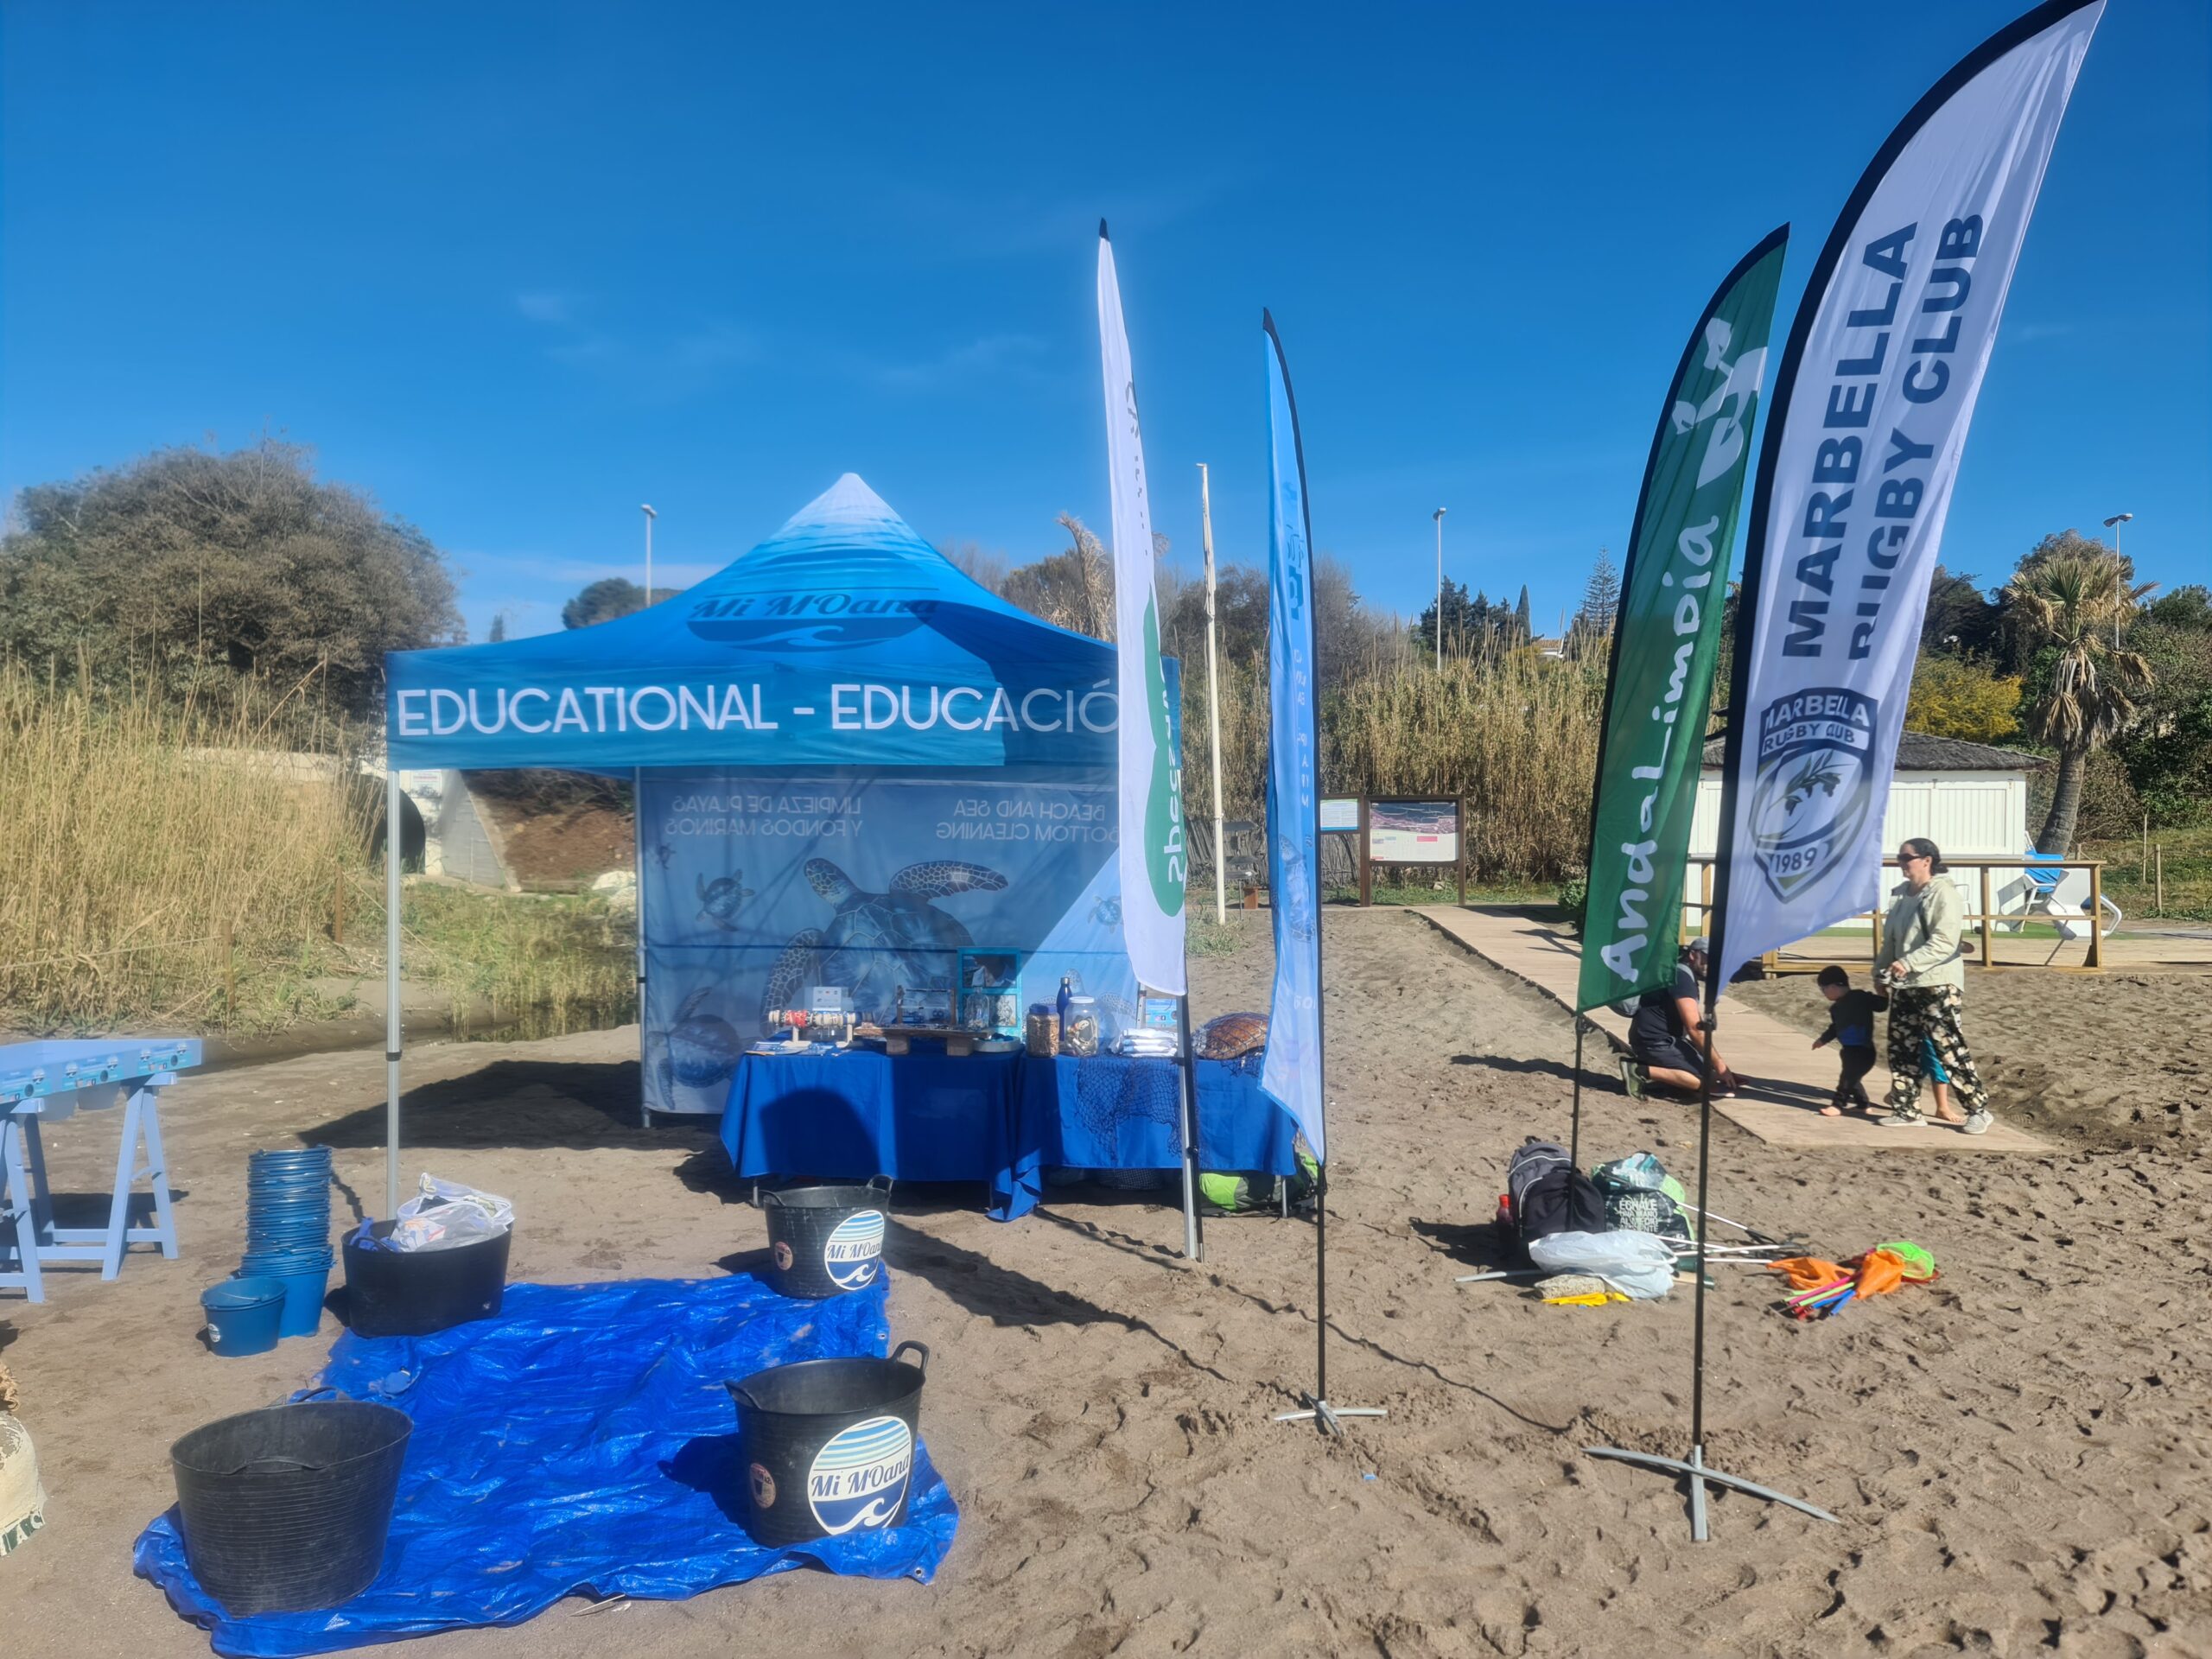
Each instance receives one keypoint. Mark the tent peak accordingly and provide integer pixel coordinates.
(849, 501)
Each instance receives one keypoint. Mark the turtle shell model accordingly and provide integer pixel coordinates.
(1231, 1036)
(703, 1046)
(877, 942)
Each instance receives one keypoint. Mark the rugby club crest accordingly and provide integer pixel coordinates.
(1814, 785)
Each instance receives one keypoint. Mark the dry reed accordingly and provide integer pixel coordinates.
(149, 855)
(1513, 732)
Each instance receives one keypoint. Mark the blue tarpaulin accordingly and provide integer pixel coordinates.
(581, 1442)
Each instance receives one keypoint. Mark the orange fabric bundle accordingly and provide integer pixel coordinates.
(1807, 1272)
(1878, 1271)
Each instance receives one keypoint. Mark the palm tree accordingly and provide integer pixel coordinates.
(2072, 596)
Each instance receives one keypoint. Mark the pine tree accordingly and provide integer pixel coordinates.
(499, 627)
(1601, 597)
(1521, 620)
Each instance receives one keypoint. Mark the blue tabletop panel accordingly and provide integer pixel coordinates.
(56, 1065)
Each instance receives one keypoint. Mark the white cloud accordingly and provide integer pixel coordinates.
(653, 366)
(549, 306)
(991, 356)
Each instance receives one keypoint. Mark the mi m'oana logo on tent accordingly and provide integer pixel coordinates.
(859, 1475)
(829, 622)
(1814, 785)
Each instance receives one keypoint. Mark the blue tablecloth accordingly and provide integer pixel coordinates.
(1002, 1119)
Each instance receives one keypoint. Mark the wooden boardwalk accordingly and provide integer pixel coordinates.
(1786, 1081)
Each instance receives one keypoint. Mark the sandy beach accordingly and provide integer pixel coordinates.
(2020, 1454)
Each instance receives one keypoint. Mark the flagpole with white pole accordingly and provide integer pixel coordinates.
(1871, 404)
(1153, 857)
(1213, 698)
(1295, 1073)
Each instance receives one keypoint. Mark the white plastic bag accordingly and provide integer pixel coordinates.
(444, 1215)
(1641, 1265)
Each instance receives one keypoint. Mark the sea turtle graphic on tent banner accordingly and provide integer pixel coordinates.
(719, 900)
(876, 941)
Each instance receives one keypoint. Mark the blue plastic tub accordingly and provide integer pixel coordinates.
(243, 1315)
(305, 1280)
(303, 1294)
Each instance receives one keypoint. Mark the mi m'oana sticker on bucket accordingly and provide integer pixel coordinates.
(854, 1249)
(860, 1474)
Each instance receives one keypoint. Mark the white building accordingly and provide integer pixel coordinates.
(1968, 798)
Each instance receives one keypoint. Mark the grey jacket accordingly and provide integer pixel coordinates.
(1923, 930)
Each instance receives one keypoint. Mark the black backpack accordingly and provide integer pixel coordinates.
(1548, 1194)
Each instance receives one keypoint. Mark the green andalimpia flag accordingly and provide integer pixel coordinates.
(1666, 636)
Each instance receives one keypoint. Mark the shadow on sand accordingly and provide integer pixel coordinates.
(527, 1104)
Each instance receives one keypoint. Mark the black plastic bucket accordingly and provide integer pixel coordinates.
(826, 1446)
(285, 1510)
(415, 1293)
(825, 1240)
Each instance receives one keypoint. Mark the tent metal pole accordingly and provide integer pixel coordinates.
(394, 837)
(638, 863)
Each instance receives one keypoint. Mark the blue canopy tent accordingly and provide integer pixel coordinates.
(852, 762)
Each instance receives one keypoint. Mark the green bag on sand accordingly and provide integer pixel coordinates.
(1641, 1197)
(1255, 1192)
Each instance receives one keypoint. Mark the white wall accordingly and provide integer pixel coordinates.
(1968, 814)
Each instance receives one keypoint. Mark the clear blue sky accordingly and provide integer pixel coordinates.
(516, 269)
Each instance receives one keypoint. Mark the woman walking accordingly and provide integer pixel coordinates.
(1923, 966)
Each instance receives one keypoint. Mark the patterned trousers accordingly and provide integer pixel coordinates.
(1931, 1014)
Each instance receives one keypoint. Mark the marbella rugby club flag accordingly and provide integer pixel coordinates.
(1871, 403)
(1667, 635)
(1292, 1074)
(1152, 854)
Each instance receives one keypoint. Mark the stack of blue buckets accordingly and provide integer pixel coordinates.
(287, 1231)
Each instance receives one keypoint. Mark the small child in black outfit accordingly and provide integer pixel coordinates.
(1851, 1024)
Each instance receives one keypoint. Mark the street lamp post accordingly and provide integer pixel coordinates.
(2112, 524)
(650, 516)
(1439, 516)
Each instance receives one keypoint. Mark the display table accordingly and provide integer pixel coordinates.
(44, 1081)
(1001, 1119)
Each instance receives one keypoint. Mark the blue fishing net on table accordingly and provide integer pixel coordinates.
(580, 1441)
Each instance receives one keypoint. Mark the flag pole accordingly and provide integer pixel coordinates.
(1213, 698)
(1148, 774)
(1698, 1472)
(2008, 158)
(1194, 1236)
(1574, 1124)
(1317, 1408)
(1695, 1468)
